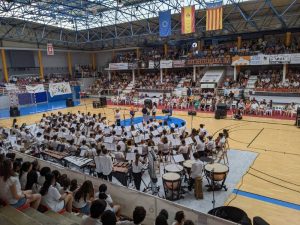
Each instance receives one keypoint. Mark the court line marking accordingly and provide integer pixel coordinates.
(255, 137)
(262, 198)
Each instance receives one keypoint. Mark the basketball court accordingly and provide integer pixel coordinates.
(270, 187)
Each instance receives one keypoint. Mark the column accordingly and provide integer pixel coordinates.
(69, 58)
(234, 73)
(239, 42)
(133, 76)
(93, 59)
(40, 60)
(161, 75)
(288, 39)
(4, 65)
(109, 75)
(166, 50)
(194, 73)
(284, 71)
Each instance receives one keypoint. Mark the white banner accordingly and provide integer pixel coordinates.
(259, 60)
(178, 63)
(11, 87)
(164, 64)
(295, 58)
(59, 88)
(151, 64)
(280, 59)
(118, 66)
(35, 89)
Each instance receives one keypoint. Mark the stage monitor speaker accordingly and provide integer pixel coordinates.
(259, 221)
(69, 102)
(222, 106)
(103, 101)
(14, 111)
(220, 114)
(148, 103)
(192, 113)
(232, 214)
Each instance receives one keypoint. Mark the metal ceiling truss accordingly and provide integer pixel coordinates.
(99, 24)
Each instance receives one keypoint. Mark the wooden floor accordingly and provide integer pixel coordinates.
(274, 173)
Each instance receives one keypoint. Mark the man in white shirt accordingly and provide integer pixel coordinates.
(106, 165)
(122, 145)
(84, 149)
(196, 170)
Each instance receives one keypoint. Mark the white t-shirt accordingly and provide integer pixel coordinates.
(23, 180)
(86, 220)
(80, 204)
(5, 192)
(51, 199)
(196, 170)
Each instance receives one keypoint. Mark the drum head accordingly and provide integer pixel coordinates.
(174, 168)
(171, 176)
(188, 163)
(216, 168)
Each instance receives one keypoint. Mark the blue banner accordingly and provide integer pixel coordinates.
(165, 23)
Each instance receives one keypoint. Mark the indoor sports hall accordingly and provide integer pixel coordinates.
(127, 112)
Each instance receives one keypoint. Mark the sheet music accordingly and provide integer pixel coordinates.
(128, 128)
(172, 125)
(160, 129)
(189, 141)
(106, 131)
(137, 139)
(178, 158)
(155, 133)
(134, 132)
(109, 139)
(119, 132)
(130, 156)
(156, 140)
(146, 137)
(110, 146)
(170, 137)
(175, 142)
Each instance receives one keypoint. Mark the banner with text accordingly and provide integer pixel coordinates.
(59, 88)
(209, 61)
(178, 63)
(35, 89)
(118, 66)
(165, 64)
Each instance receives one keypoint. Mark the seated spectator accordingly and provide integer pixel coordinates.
(108, 218)
(83, 197)
(96, 210)
(188, 222)
(51, 196)
(25, 168)
(104, 196)
(43, 172)
(179, 218)
(10, 188)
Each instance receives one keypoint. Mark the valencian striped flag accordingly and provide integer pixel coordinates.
(188, 19)
(214, 16)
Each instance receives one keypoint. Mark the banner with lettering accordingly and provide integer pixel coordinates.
(35, 89)
(59, 88)
(178, 63)
(118, 66)
(209, 61)
(164, 64)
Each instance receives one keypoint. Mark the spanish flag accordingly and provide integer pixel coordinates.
(188, 19)
(214, 16)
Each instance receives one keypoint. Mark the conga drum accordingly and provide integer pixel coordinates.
(173, 168)
(172, 185)
(216, 172)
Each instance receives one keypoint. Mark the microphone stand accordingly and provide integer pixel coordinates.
(213, 188)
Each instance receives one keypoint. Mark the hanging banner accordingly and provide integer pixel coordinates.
(188, 19)
(11, 87)
(165, 64)
(295, 58)
(280, 59)
(240, 60)
(178, 63)
(209, 61)
(35, 89)
(59, 88)
(132, 66)
(50, 49)
(214, 16)
(151, 64)
(165, 23)
(118, 66)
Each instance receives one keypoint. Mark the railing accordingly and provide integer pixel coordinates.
(279, 90)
